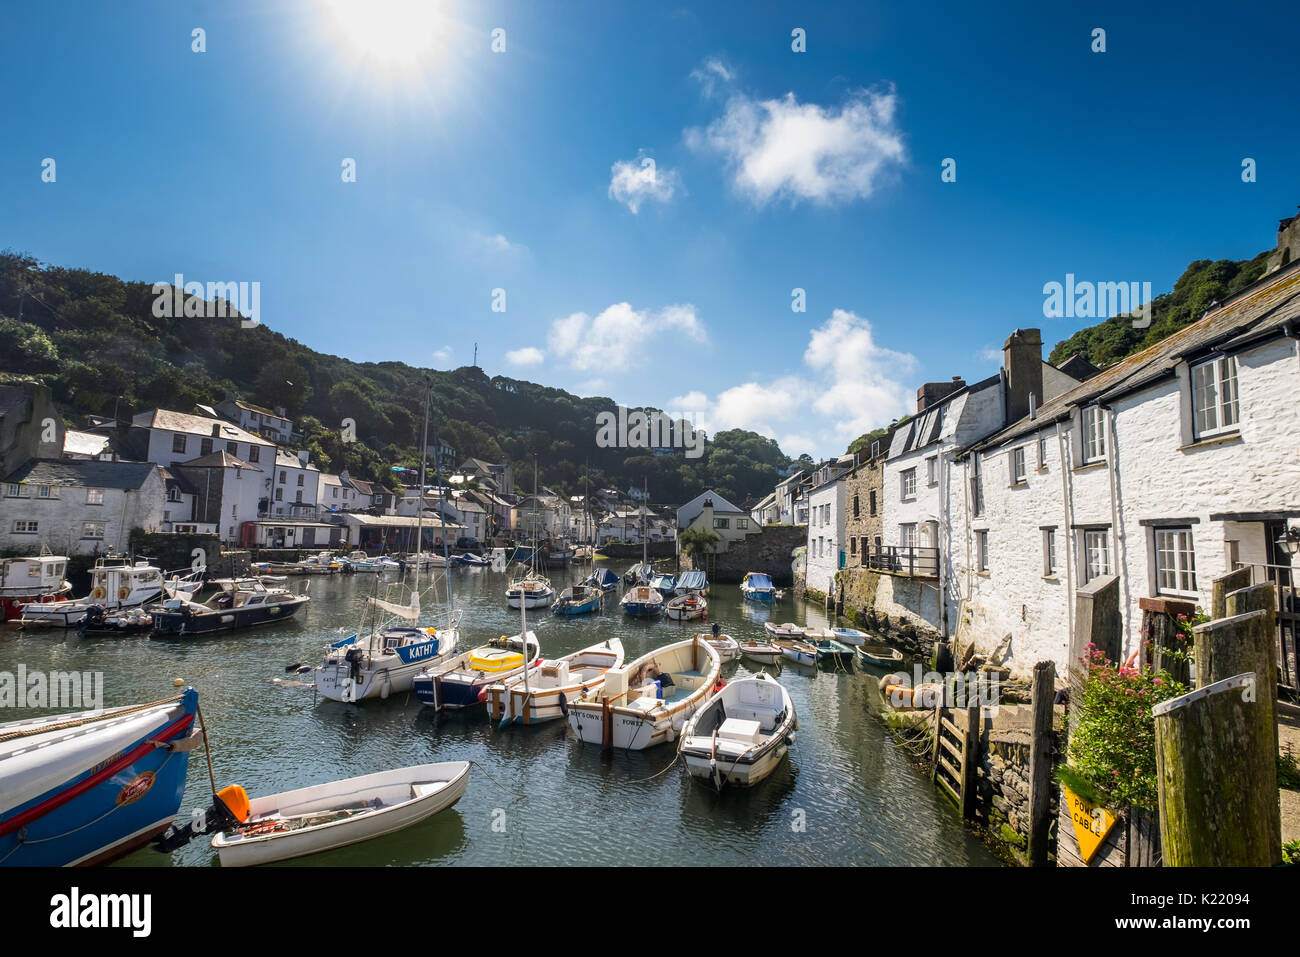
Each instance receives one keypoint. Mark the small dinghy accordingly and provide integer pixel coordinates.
(280, 827)
(728, 648)
(602, 578)
(578, 600)
(742, 734)
(797, 651)
(878, 654)
(764, 652)
(850, 636)
(831, 652)
(642, 601)
(787, 630)
(552, 684)
(687, 607)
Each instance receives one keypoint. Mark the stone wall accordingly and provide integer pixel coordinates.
(1002, 801)
(174, 552)
(629, 551)
(769, 551)
(888, 605)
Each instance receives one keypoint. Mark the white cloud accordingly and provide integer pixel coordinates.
(712, 71)
(614, 340)
(848, 385)
(527, 356)
(641, 180)
(780, 148)
(690, 402)
(990, 354)
(443, 356)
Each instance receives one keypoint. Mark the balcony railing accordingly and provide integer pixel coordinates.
(915, 561)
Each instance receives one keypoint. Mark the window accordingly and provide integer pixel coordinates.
(722, 523)
(1018, 466)
(1175, 561)
(173, 495)
(178, 443)
(232, 448)
(92, 529)
(15, 491)
(871, 499)
(283, 476)
(932, 470)
(853, 546)
(1042, 450)
(24, 526)
(44, 491)
(334, 493)
(254, 453)
(976, 486)
(279, 495)
(982, 550)
(908, 478)
(1096, 553)
(94, 496)
(1049, 552)
(1214, 397)
(740, 522)
(856, 509)
(205, 447)
(875, 450)
(826, 514)
(300, 478)
(298, 496)
(1094, 434)
(907, 535)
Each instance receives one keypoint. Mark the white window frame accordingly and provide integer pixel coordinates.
(907, 484)
(94, 496)
(1096, 553)
(932, 471)
(1093, 434)
(1216, 408)
(93, 530)
(1018, 465)
(1049, 552)
(15, 490)
(907, 535)
(26, 526)
(982, 550)
(1175, 560)
(1042, 450)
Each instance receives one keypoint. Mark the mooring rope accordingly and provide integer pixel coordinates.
(88, 719)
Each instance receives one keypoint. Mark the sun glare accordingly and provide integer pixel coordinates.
(396, 33)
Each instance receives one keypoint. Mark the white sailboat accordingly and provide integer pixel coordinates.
(533, 590)
(389, 660)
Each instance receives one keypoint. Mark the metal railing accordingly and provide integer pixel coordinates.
(916, 561)
(1286, 603)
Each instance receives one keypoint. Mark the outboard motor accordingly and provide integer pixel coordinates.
(353, 658)
(94, 616)
(229, 809)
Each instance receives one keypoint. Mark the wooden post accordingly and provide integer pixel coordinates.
(1224, 584)
(1217, 775)
(970, 761)
(1041, 756)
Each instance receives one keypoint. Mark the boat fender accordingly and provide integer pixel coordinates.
(564, 703)
(793, 737)
(671, 734)
(386, 688)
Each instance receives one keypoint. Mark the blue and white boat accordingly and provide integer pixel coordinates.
(663, 583)
(758, 587)
(578, 600)
(462, 681)
(602, 578)
(850, 636)
(642, 601)
(88, 788)
(693, 581)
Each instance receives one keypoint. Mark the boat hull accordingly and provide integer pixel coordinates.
(236, 852)
(183, 622)
(119, 792)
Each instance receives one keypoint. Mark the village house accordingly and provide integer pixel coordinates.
(227, 491)
(785, 493)
(295, 486)
(79, 507)
(729, 523)
(336, 493)
(864, 501)
(274, 425)
(180, 506)
(1166, 470)
(500, 473)
(766, 512)
(826, 524)
(170, 438)
(924, 488)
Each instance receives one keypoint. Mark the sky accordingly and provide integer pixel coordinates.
(666, 205)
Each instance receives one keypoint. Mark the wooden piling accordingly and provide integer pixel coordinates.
(1041, 757)
(1220, 588)
(1217, 777)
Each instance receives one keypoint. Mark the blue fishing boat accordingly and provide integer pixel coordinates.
(88, 788)
(602, 578)
(578, 600)
(693, 581)
(664, 584)
(758, 587)
(642, 601)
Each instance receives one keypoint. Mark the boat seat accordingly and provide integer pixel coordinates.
(424, 788)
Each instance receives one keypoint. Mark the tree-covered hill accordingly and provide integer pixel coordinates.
(94, 340)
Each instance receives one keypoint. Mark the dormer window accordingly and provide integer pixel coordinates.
(1214, 397)
(1094, 434)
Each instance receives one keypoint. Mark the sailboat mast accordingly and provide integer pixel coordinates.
(442, 523)
(419, 511)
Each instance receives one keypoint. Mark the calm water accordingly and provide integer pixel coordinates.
(536, 796)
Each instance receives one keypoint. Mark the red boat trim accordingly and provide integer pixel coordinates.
(81, 787)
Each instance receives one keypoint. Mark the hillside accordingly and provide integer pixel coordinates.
(94, 340)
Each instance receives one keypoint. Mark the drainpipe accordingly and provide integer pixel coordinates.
(1121, 547)
(1067, 541)
(941, 534)
(966, 503)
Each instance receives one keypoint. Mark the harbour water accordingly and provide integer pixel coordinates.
(845, 795)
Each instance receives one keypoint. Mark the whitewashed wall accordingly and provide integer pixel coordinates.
(823, 564)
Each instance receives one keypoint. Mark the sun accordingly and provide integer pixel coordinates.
(396, 33)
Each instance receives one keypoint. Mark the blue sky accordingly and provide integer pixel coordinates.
(523, 170)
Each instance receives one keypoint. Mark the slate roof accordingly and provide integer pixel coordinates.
(194, 425)
(218, 460)
(83, 473)
(1259, 312)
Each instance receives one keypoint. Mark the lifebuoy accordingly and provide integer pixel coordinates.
(123, 592)
(98, 593)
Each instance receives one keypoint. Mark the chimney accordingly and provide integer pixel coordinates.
(1022, 364)
(216, 430)
(934, 392)
(303, 458)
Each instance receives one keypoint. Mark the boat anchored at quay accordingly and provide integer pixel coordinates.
(114, 583)
(552, 685)
(231, 603)
(649, 701)
(37, 579)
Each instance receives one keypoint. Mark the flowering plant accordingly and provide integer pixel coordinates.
(1112, 731)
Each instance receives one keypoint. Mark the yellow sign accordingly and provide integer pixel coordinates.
(1091, 823)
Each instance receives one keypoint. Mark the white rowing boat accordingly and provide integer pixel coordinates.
(742, 734)
(553, 684)
(280, 827)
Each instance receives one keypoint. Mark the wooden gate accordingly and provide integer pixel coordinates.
(956, 755)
